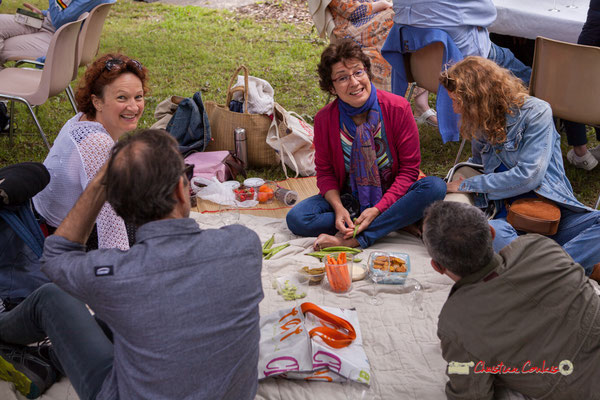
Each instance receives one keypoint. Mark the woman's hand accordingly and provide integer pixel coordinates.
(381, 5)
(33, 8)
(452, 187)
(364, 220)
(343, 222)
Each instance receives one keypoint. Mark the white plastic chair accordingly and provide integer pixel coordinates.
(33, 86)
(87, 44)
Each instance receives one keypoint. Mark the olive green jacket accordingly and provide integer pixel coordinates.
(529, 321)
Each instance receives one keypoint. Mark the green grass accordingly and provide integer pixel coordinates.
(187, 49)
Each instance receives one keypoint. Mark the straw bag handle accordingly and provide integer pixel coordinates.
(331, 336)
(244, 90)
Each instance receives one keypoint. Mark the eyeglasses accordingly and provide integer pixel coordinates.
(346, 78)
(116, 63)
(189, 171)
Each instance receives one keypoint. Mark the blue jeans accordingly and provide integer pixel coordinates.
(84, 351)
(578, 234)
(314, 215)
(506, 59)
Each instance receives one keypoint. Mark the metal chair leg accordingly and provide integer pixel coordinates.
(38, 125)
(71, 97)
(11, 127)
(460, 149)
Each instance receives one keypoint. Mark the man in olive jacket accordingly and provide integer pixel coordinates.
(526, 319)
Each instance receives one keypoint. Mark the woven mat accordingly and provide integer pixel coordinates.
(305, 187)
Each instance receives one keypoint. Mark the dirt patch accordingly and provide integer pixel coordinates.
(288, 11)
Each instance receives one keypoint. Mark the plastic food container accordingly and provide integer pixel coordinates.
(232, 184)
(314, 274)
(254, 184)
(244, 193)
(266, 192)
(397, 278)
(292, 286)
(339, 275)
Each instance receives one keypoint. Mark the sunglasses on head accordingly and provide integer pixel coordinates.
(116, 64)
(189, 171)
(446, 81)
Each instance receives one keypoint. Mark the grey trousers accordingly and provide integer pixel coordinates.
(19, 41)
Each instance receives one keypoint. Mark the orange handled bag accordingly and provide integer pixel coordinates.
(313, 343)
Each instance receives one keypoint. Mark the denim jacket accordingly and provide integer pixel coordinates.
(532, 154)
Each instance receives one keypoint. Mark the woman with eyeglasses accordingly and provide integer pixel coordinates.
(110, 99)
(367, 159)
(513, 135)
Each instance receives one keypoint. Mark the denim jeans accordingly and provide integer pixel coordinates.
(506, 59)
(578, 234)
(84, 351)
(314, 215)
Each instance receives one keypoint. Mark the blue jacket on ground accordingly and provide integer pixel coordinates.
(190, 125)
(21, 244)
(407, 39)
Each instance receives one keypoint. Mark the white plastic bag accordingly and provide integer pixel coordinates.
(219, 193)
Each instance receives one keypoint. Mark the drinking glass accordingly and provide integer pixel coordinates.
(554, 9)
(572, 5)
(414, 287)
(377, 276)
(229, 213)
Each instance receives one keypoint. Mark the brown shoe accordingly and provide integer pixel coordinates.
(595, 275)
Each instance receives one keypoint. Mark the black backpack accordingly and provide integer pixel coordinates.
(4, 118)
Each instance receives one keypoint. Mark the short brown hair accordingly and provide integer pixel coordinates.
(142, 173)
(345, 49)
(97, 76)
(485, 92)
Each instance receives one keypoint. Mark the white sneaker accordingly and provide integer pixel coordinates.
(596, 152)
(587, 162)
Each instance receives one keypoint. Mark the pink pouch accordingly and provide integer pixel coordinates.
(221, 164)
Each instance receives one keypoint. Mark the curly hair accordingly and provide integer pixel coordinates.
(345, 49)
(485, 93)
(98, 76)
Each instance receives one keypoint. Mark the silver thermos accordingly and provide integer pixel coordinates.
(241, 147)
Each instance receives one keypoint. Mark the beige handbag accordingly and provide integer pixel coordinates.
(223, 122)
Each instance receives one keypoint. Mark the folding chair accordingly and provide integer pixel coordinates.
(33, 86)
(566, 76)
(423, 69)
(87, 44)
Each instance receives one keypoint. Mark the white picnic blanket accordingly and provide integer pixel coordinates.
(402, 346)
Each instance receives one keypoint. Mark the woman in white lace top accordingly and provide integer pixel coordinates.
(110, 99)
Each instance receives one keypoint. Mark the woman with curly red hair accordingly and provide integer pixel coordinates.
(513, 135)
(110, 100)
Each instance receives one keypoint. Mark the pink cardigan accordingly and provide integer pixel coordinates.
(403, 140)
